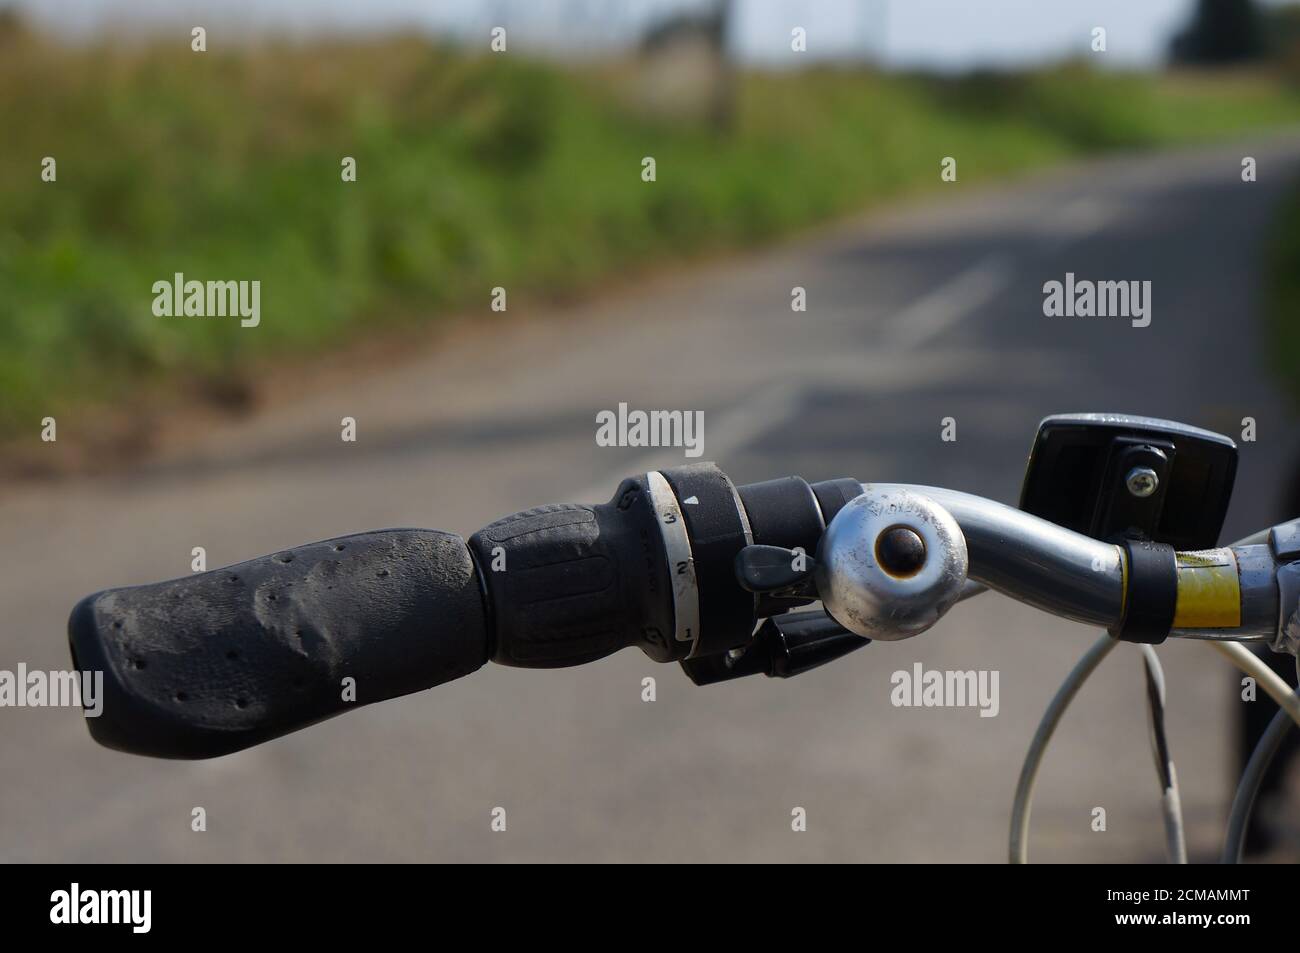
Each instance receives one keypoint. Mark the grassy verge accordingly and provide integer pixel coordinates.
(473, 172)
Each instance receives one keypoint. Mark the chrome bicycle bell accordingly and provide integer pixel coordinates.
(890, 564)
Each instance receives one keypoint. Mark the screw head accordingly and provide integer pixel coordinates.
(1142, 481)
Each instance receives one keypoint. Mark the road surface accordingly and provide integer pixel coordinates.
(920, 313)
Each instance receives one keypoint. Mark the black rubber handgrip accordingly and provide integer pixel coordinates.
(211, 663)
(569, 583)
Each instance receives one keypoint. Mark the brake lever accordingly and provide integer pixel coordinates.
(783, 646)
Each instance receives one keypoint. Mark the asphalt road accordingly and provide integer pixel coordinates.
(922, 312)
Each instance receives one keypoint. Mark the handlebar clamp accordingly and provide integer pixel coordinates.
(1150, 592)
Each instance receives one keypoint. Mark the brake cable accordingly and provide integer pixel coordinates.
(1273, 684)
(1019, 847)
(1243, 802)
(1170, 802)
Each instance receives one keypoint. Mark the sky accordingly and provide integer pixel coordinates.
(945, 34)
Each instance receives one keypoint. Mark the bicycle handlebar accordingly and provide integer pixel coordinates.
(681, 563)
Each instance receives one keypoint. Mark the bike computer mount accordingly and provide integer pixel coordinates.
(1115, 476)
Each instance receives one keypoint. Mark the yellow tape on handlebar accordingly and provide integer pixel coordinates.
(1209, 590)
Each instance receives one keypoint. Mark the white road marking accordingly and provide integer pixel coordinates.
(938, 310)
(916, 324)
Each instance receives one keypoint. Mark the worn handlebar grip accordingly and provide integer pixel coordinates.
(211, 663)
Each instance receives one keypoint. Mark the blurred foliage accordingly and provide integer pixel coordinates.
(473, 171)
(1221, 31)
(1282, 36)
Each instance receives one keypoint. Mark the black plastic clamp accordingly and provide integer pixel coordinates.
(1151, 592)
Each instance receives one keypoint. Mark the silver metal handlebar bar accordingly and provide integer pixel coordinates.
(1033, 561)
